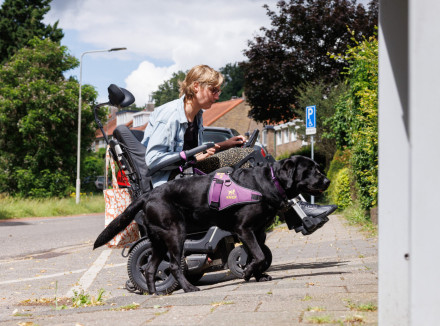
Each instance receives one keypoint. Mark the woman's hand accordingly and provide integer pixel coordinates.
(232, 142)
(207, 153)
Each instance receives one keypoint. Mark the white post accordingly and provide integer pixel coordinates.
(409, 175)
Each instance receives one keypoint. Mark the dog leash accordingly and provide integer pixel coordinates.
(277, 184)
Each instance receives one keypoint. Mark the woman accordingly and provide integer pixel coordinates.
(178, 125)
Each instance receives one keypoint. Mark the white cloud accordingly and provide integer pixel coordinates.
(145, 79)
(179, 33)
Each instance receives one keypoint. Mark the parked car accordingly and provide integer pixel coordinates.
(219, 134)
(99, 182)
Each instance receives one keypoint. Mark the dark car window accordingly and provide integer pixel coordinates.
(215, 136)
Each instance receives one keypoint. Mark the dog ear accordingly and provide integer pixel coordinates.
(287, 171)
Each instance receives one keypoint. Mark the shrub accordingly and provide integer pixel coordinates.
(354, 123)
(340, 160)
(339, 191)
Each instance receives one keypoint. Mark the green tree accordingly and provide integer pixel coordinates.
(20, 21)
(234, 81)
(294, 50)
(38, 121)
(169, 89)
(355, 123)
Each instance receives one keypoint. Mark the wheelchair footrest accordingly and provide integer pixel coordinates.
(311, 224)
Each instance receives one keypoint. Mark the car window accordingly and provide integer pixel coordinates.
(235, 132)
(215, 136)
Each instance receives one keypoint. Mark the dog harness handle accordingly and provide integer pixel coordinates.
(224, 192)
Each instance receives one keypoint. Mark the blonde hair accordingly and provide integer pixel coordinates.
(204, 75)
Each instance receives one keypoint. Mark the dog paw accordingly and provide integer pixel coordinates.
(247, 275)
(263, 278)
(191, 289)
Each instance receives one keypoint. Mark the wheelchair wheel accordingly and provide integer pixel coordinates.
(239, 258)
(139, 257)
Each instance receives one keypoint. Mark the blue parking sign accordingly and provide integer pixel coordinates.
(311, 120)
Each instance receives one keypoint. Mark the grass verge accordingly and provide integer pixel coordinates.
(12, 207)
(355, 215)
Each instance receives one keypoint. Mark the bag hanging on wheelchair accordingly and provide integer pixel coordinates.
(116, 201)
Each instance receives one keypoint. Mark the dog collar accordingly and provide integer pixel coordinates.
(277, 184)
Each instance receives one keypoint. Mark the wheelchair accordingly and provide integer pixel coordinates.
(205, 250)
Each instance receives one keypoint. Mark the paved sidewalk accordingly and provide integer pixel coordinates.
(329, 277)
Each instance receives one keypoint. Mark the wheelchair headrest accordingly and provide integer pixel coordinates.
(119, 96)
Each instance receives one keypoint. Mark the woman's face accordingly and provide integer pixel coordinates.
(206, 96)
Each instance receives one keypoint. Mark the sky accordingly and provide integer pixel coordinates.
(161, 37)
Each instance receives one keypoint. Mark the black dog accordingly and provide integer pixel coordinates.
(169, 207)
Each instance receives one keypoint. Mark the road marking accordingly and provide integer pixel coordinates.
(87, 279)
(36, 278)
(42, 276)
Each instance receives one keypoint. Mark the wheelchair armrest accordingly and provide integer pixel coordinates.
(176, 160)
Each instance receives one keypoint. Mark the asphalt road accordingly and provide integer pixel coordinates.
(24, 237)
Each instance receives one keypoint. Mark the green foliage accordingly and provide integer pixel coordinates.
(46, 184)
(169, 89)
(38, 121)
(294, 50)
(21, 21)
(341, 159)
(324, 96)
(339, 190)
(234, 81)
(356, 215)
(81, 299)
(93, 165)
(355, 122)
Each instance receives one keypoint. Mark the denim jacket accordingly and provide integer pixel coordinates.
(164, 135)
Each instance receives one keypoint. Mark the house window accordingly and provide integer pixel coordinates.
(264, 136)
(292, 134)
(140, 119)
(279, 137)
(286, 135)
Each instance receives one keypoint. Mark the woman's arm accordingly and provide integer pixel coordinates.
(161, 143)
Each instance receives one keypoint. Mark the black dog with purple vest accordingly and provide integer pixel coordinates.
(169, 207)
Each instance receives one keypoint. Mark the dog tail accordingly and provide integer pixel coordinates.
(120, 223)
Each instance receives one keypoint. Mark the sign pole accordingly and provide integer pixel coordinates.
(312, 198)
(311, 130)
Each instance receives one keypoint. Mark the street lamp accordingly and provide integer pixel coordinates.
(78, 180)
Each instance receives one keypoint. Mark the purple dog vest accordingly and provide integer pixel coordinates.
(224, 192)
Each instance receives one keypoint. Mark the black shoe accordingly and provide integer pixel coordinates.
(316, 211)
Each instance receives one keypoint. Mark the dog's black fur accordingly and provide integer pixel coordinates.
(168, 208)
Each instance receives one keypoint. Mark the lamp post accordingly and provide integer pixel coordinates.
(78, 179)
